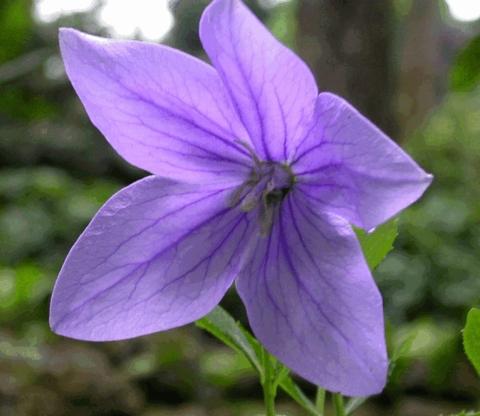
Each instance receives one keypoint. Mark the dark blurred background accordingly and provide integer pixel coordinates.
(409, 65)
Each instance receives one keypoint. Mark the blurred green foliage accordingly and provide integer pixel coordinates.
(436, 266)
(466, 70)
(16, 23)
(471, 338)
(56, 171)
(433, 277)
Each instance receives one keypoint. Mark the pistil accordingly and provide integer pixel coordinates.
(267, 186)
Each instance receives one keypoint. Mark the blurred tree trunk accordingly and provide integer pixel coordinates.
(347, 43)
(420, 65)
(184, 34)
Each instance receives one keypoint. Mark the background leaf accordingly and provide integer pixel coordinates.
(465, 74)
(471, 338)
(289, 386)
(221, 325)
(377, 244)
(16, 23)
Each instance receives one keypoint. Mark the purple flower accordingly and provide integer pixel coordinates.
(255, 178)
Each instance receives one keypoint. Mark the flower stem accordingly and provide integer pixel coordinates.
(320, 401)
(338, 404)
(268, 384)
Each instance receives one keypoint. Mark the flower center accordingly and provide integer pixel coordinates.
(266, 187)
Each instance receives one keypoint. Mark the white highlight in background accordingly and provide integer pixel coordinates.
(149, 19)
(50, 10)
(464, 10)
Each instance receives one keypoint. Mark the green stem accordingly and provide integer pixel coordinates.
(353, 404)
(320, 401)
(269, 388)
(338, 404)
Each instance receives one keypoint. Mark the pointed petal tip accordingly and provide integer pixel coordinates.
(374, 380)
(186, 133)
(53, 325)
(65, 30)
(59, 328)
(325, 321)
(273, 113)
(428, 178)
(63, 330)
(67, 39)
(365, 390)
(56, 321)
(376, 178)
(66, 33)
(424, 181)
(125, 278)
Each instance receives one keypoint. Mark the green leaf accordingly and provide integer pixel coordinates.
(353, 404)
(296, 393)
(401, 351)
(467, 414)
(16, 23)
(253, 343)
(465, 74)
(377, 244)
(471, 338)
(221, 325)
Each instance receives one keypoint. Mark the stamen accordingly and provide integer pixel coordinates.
(265, 189)
(252, 198)
(250, 150)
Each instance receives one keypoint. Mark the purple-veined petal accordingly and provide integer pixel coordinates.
(312, 301)
(156, 256)
(272, 88)
(162, 110)
(347, 165)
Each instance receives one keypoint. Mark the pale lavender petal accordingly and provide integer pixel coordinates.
(156, 256)
(162, 110)
(348, 166)
(273, 89)
(312, 302)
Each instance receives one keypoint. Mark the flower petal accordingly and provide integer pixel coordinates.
(156, 256)
(353, 169)
(273, 89)
(312, 302)
(162, 110)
